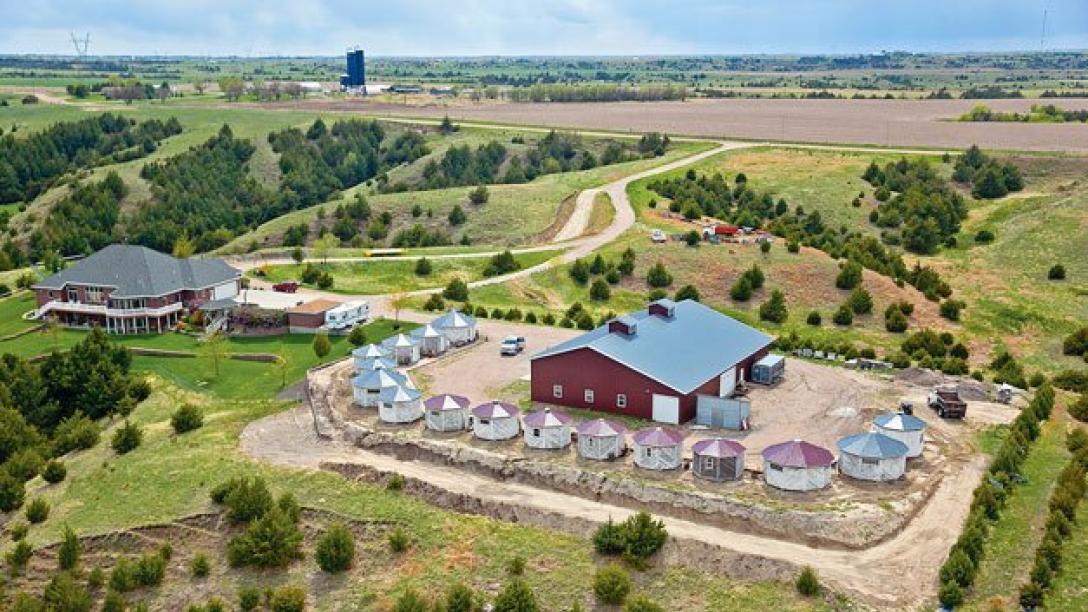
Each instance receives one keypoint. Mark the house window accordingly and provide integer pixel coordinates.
(73, 295)
(536, 432)
(869, 461)
(589, 396)
(485, 421)
(649, 452)
(621, 400)
(708, 463)
(557, 391)
(776, 467)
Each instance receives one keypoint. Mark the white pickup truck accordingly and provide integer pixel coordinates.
(511, 345)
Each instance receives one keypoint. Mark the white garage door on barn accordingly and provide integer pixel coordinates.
(666, 409)
(727, 382)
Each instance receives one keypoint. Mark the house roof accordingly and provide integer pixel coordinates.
(600, 428)
(368, 351)
(547, 418)
(398, 393)
(798, 454)
(718, 447)
(427, 331)
(137, 271)
(899, 422)
(872, 446)
(318, 306)
(659, 436)
(379, 379)
(495, 410)
(446, 402)
(454, 319)
(682, 352)
(378, 363)
(398, 341)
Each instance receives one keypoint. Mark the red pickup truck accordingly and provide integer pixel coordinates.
(285, 287)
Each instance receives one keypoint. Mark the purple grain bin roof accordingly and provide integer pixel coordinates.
(495, 410)
(547, 418)
(798, 454)
(600, 428)
(659, 436)
(718, 447)
(446, 402)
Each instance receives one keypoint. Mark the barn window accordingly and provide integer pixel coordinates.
(557, 391)
(776, 467)
(589, 396)
(621, 400)
(708, 463)
(649, 452)
(536, 432)
(869, 461)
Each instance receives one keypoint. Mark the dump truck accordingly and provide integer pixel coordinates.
(947, 403)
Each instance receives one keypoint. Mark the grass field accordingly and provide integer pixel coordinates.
(391, 276)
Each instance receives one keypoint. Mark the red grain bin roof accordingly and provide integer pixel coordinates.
(798, 454)
(659, 436)
(718, 447)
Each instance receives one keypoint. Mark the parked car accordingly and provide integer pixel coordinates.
(658, 236)
(512, 345)
(286, 287)
(947, 403)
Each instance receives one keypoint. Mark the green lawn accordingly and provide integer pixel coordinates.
(390, 276)
(1010, 548)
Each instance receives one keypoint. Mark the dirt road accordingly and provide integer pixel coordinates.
(873, 576)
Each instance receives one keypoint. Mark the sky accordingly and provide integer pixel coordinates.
(539, 27)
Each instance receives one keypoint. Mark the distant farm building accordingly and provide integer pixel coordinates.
(309, 317)
(399, 404)
(906, 428)
(402, 349)
(872, 456)
(432, 342)
(718, 459)
(653, 364)
(548, 430)
(659, 448)
(797, 466)
(368, 385)
(495, 421)
(446, 412)
(601, 440)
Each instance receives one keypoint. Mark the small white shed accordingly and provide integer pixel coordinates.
(432, 342)
(545, 429)
(797, 466)
(458, 327)
(495, 421)
(872, 456)
(370, 383)
(659, 448)
(601, 440)
(906, 428)
(446, 412)
(400, 405)
(402, 349)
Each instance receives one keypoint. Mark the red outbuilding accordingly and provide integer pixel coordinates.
(653, 364)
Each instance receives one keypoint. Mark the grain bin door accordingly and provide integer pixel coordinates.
(728, 382)
(666, 409)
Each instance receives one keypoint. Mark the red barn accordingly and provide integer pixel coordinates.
(651, 364)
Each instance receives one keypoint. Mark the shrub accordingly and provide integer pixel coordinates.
(741, 290)
(456, 290)
(548, 319)
(611, 585)
(289, 506)
(200, 566)
(287, 599)
(460, 598)
(984, 237)
(69, 551)
(187, 418)
(599, 291)
(18, 530)
(18, 557)
(641, 603)
(516, 596)
(12, 492)
(64, 594)
(688, 292)
(248, 599)
(479, 195)
(1056, 272)
(643, 536)
(814, 319)
(516, 567)
(950, 595)
(860, 301)
(530, 318)
(658, 276)
(246, 499)
(398, 540)
(1076, 343)
(410, 601)
(423, 267)
(150, 569)
(335, 549)
(950, 309)
(849, 275)
(123, 577)
(808, 584)
(774, 309)
(895, 321)
(1077, 440)
(692, 238)
(271, 541)
(54, 471)
(77, 432)
(457, 215)
(114, 602)
(843, 316)
(127, 438)
(609, 539)
(1031, 595)
(321, 345)
(37, 511)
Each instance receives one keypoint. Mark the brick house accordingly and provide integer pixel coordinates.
(133, 289)
(653, 364)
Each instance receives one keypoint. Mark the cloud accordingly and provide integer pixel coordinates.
(536, 27)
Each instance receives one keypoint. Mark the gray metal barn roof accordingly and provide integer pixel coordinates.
(683, 351)
(137, 271)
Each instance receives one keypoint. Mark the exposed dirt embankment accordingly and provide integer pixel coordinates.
(678, 551)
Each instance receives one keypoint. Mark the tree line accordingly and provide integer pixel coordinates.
(925, 211)
(30, 165)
